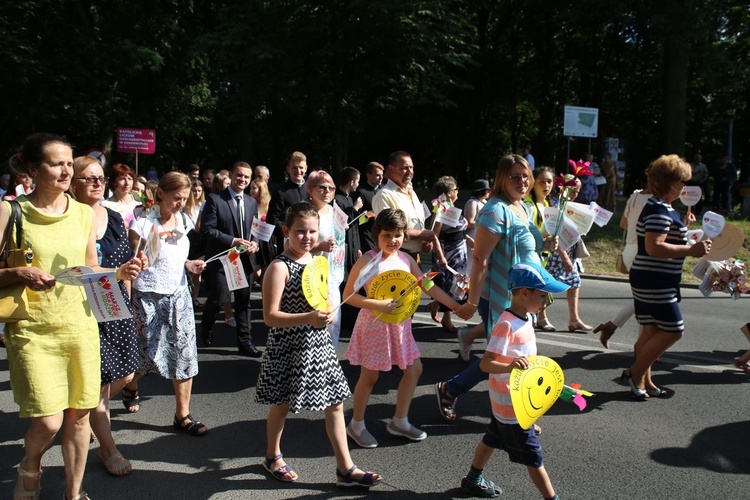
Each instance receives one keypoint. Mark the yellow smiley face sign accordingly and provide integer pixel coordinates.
(534, 390)
(396, 285)
(315, 283)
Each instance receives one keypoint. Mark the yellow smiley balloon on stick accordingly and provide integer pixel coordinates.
(315, 283)
(534, 390)
(399, 286)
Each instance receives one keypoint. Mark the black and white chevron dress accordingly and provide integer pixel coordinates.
(299, 366)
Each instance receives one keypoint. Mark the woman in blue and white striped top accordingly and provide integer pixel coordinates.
(657, 270)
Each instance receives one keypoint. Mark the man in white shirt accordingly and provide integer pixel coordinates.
(398, 193)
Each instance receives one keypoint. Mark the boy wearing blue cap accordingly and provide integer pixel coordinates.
(512, 341)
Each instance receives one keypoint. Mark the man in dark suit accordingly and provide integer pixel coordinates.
(289, 193)
(365, 192)
(348, 182)
(225, 223)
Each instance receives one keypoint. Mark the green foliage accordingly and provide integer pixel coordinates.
(454, 82)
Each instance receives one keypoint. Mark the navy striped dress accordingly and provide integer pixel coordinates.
(655, 282)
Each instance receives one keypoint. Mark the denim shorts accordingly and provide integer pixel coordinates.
(523, 446)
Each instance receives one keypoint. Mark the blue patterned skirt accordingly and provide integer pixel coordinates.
(166, 334)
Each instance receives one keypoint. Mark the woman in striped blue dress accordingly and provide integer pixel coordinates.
(657, 270)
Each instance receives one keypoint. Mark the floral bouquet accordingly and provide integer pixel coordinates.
(727, 276)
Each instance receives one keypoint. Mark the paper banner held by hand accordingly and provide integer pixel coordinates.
(549, 214)
(340, 219)
(694, 236)
(603, 215)
(315, 283)
(72, 275)
(583, 216)
(426, 210)
(234, 271)
(236, 250)
(261, 229)
(368, 272)
(399, 286)
(690, 195)
(449, 216)
(713, 223)
(568, 234)
(534, 390)
(105, 296)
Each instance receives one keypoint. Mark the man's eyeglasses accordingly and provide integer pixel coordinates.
(90, 181)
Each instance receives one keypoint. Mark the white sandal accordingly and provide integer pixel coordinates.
(21, 493)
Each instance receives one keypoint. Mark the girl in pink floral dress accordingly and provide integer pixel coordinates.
(375, 345)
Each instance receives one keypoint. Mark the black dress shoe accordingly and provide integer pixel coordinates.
(208, 339)
(249, 351)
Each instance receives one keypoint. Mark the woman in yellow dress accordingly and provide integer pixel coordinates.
(54, 355)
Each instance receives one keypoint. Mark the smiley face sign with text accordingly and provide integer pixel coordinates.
(395, 285)
(534, 390)
(315, 283)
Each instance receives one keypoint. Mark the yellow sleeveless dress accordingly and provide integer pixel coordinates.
(54, 357)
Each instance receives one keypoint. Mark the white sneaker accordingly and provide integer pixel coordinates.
(414, 433)
(464, 347)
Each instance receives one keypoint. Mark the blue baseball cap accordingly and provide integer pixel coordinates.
(530, 275)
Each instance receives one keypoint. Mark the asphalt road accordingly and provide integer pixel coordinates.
(695, 445)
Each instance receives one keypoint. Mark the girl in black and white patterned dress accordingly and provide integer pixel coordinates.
(300, 370)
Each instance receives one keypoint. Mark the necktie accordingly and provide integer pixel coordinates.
(241, 212)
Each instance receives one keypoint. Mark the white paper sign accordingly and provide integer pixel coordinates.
(694, 236)
(549, 214)
(368, 272)
(581, 215)
(603, 216)
(448, 215)
(337, 257)
(713, 223)
(105, 297)
(150, 241)
(340, 219)
(426, 209)
(261, 230)
(568, 235)
(690, 195)
(72, 275)
(234, 271)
